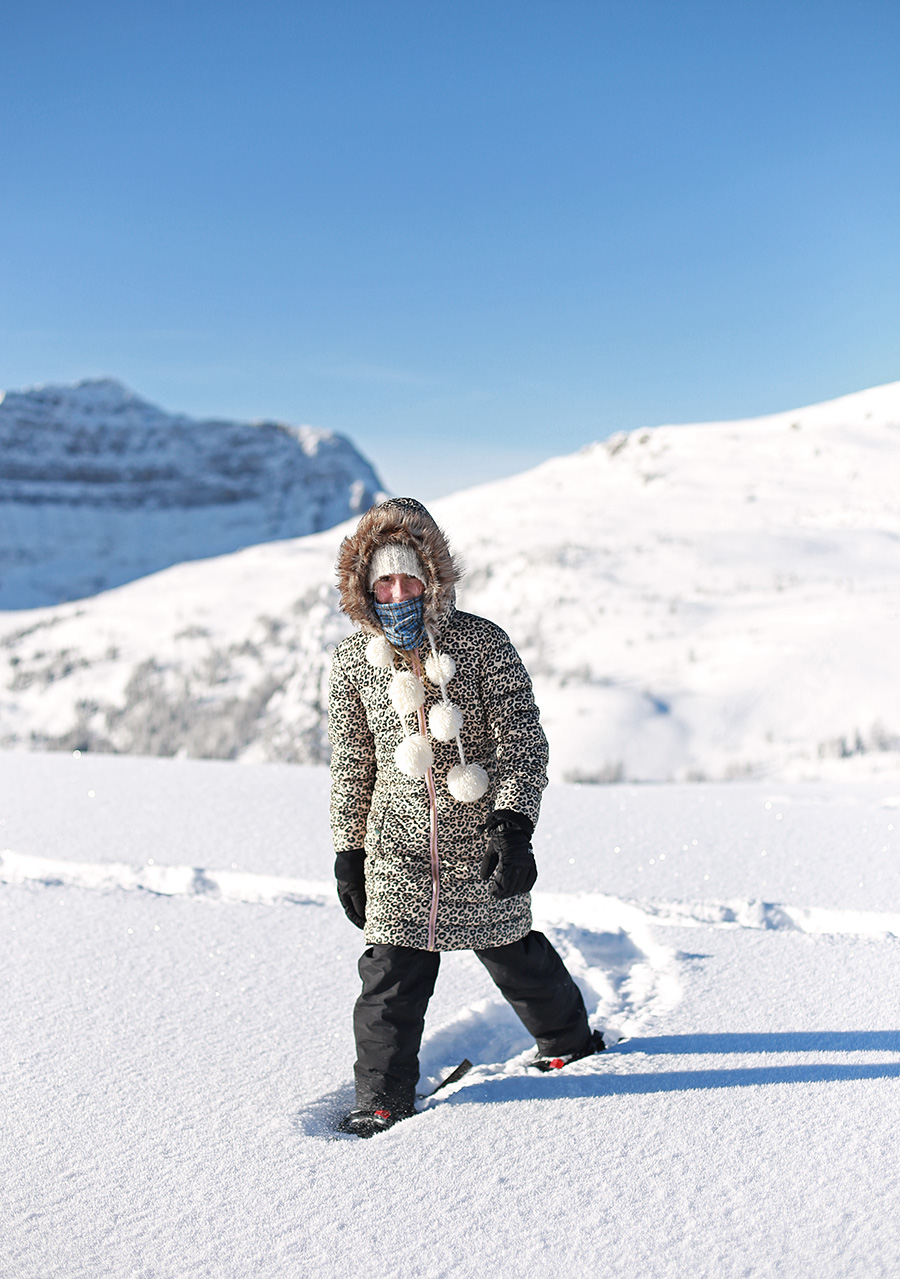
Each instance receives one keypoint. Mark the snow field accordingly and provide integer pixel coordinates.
(176, 1035)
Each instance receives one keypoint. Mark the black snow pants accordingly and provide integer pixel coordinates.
(398, 982)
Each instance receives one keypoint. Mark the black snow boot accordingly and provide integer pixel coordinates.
(366, 1123)
(549, 1061)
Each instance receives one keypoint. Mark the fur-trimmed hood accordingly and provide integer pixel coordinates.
(404, 520)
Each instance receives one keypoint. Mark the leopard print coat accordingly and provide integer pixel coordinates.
(413, 899)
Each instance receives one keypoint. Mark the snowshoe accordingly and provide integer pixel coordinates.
(550, 1061)
(366, 1123)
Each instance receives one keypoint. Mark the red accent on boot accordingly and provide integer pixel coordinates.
(557, 1063)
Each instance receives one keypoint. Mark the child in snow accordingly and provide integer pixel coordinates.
(438, 763)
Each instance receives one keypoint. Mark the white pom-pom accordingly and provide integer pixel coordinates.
(467, 782)
(413, 755)
(440, 667)
(445, 720)
(379, 652)
(407, 693)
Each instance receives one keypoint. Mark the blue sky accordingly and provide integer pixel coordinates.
(468, 235)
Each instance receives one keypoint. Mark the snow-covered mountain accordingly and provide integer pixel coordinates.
(719, 601)
(98, 487)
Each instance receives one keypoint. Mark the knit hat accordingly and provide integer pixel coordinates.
(395, 557)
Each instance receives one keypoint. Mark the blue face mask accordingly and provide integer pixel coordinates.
(403, 624)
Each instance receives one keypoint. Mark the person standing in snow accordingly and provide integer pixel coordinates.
(438, 764)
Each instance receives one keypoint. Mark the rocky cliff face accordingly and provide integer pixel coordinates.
(98, 487)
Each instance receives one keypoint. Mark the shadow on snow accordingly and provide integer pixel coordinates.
(788, 1041)
(598, 1082)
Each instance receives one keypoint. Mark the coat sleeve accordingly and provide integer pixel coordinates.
(352, 760)
(514, 723)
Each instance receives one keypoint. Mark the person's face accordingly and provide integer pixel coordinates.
(394, 588)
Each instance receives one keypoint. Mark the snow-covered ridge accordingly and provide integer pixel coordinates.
(97, 487)
(713, 601)
(735, 584)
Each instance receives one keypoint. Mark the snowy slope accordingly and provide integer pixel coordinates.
(715, 601)
(98, 487)
(711, 600)
(177, 981)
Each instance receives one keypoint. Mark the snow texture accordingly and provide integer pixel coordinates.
(98, 487)
(718, 601)
(177, 982)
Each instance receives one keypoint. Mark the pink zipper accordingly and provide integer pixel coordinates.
(432, 806)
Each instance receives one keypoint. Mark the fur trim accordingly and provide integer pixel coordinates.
(405, 521)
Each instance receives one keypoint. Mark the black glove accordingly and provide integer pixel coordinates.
(351, 884)
(508, 861)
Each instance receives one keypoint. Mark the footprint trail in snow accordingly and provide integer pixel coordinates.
(612, 947)
(588, 913)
